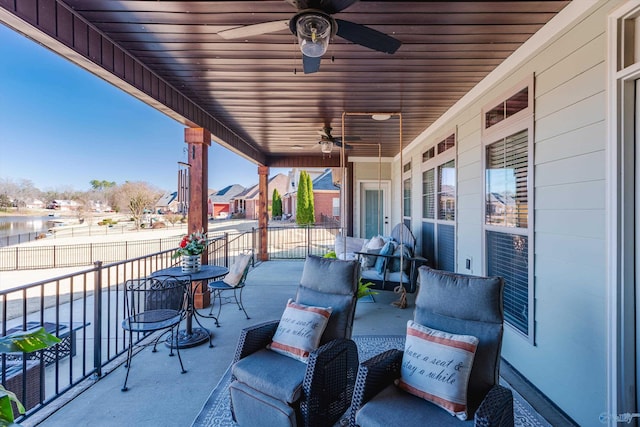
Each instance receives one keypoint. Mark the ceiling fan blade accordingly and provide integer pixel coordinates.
(335, 6)
(254, 30)
(339, 144)
(327, 6)
(310, 64)
(367, 37)
(351, 138)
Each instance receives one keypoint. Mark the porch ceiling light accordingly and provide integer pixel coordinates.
(313, 32)
(326, 146)
(381, 117)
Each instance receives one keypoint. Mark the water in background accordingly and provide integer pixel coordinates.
(13, 225)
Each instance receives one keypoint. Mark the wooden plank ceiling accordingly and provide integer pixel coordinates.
(255, 85)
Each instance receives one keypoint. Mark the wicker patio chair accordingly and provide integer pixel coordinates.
(154, 304)
(457, 304)
(279, 390)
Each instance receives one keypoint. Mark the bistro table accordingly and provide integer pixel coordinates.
(190, 336)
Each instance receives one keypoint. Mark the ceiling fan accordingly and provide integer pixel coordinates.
(327, 141)
(313, 25)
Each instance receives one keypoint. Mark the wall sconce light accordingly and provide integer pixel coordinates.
(313, 32)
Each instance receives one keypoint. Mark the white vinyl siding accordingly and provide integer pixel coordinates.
(567, 358)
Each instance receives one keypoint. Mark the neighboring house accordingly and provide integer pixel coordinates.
(247, 201)
(326, 195)
(168, 203)
(64, 205)
(35, 204)
(210, 193)
(220, 203)
(98, 206)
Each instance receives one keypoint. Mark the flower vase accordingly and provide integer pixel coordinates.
(191, 263)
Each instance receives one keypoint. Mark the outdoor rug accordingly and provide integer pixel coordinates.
(216, 412)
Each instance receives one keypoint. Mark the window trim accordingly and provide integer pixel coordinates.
(407, 175)
(523, 120)
(508, 123)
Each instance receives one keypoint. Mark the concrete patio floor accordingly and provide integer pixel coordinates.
(159, 395)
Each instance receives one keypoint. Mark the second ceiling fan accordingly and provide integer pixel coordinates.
(313, 25)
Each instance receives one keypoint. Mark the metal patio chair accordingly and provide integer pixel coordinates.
(234, 281)
(154, 304)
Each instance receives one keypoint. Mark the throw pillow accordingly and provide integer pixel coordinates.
(369, 261)
(406, 254)
(376, 242)
(436, 366)
(300, 330)
(237, 270)
(387, 249)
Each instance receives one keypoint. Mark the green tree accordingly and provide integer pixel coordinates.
(101, 185)
(304, 209)
(276, 204)
(311, 213)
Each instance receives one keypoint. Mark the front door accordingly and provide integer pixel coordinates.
(374, 209)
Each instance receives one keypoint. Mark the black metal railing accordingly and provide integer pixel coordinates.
(85, 308)
(72, 231)
(296, 242)
(56, 256)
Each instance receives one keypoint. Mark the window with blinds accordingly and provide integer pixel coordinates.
(509, 258)
(447, 191)
(428, 194)
(439, 204)
(506, 209)
(406, 197)
(506, 198)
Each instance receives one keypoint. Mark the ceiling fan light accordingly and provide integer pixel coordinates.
(326, 146)
(381, 117)
(313, 33)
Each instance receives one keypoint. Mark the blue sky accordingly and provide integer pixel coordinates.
(61, 127)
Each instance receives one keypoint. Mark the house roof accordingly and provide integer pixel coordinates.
(325, 181)
(226, 194)
(279, 182)
(166, 199)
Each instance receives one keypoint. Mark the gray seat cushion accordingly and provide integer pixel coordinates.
(392, 406)
(272, 373)
(251, 405)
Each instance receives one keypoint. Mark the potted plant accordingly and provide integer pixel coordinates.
(27, 342)
(190, 249)
(363, 288)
